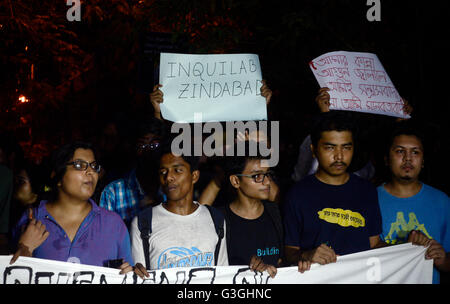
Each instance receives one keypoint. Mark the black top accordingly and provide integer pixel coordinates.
(260, 237)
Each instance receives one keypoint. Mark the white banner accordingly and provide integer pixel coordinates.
(207, 88)
(392, 265)
(357, 82)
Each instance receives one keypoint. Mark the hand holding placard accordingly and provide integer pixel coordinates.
(357, 82)
(220, 87)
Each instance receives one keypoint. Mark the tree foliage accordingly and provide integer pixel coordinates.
(74, 71)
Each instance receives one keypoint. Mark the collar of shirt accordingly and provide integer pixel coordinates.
(42, 210)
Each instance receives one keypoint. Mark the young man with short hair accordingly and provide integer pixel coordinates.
(183, 232)
(410, 209)
(331, 212)
(255, 232)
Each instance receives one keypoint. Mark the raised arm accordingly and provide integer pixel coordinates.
(407, 109)
(157, 97)
(323, 100)
(266, 92)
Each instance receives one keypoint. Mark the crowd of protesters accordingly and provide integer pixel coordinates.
(127, 206)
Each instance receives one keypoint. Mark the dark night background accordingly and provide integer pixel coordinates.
(62, 80)
(77, 76)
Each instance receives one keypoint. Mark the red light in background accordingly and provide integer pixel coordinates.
(23, 99)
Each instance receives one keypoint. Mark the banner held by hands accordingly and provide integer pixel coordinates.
(404, 263)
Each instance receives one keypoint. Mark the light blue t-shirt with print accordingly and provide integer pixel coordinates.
(427, 211)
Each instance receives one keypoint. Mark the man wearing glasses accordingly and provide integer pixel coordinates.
(254, 227)
(139, 187)
(331, 212)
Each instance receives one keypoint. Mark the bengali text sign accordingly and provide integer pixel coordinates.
(357, 82)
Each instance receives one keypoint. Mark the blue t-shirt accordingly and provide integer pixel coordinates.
(344, 216)
(427, 211)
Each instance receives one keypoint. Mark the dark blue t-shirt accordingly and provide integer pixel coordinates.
(252, 237)
(344, 216)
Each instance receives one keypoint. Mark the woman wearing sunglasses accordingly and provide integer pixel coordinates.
(70, 227)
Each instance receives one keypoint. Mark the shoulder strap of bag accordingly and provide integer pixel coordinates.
(145, 227)
(218, 220)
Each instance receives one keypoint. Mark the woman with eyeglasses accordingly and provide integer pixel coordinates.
(70, 227)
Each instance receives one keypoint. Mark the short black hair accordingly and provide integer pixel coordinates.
(332, 121)
(234, 163)
(151, 125)
(408, 127)
(192, 160)
(59, 160)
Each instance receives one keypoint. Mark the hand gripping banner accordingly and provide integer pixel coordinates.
(399, 264)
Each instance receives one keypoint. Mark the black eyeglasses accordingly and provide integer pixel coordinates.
(82, 165)
(151, 146)
(259, 177)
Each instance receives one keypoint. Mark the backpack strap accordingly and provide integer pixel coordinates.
(145, 227)
(224, 209)
(218, 220)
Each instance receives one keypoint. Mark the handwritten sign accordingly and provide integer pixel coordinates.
(211, 88)
(391, 265)
(357, 82)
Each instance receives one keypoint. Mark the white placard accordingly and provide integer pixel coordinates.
(357, 82)
(211, 87)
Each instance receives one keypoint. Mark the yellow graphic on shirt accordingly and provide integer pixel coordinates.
(344, 218)
(399, 230)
